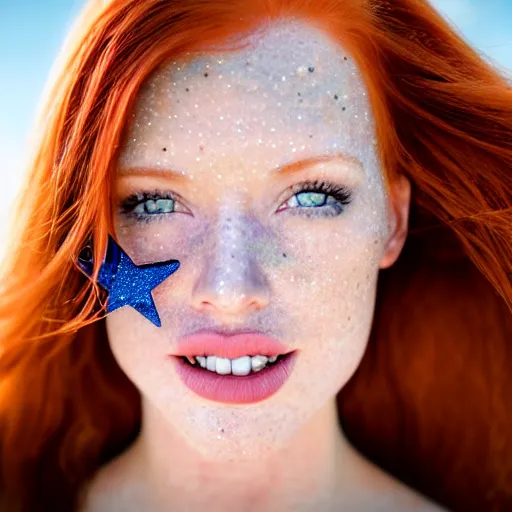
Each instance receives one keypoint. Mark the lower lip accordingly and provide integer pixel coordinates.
(233, 389)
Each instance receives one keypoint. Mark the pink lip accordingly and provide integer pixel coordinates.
(209, 343)
(233, 388)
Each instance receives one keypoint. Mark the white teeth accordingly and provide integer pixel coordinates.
(202, 361)
(241, 366)
(223, 366)
(211, 363)
(258, 363)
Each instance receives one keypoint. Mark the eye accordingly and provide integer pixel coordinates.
(311, 198)
(147, 206)
(318, 198)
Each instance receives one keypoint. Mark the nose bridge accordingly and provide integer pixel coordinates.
(233, 234)
(232, 277)
(233, 241)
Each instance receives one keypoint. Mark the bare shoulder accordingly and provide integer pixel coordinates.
(375, 490)
(405, 499)
(395, 496)
(111, 490)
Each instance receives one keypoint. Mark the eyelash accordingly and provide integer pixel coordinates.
(342, 197)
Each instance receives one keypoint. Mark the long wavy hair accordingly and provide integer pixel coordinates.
(430, 400)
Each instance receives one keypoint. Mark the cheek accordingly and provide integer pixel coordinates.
(331, 274)
(138, 346)
(322, 277)
(160, 240)
(330, 287)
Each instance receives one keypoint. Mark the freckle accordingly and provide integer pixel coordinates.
(348, 319)
(357, 287)
(298, 94)
(187, 89)
(311, 136)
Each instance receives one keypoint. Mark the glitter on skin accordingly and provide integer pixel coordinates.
(231, 240)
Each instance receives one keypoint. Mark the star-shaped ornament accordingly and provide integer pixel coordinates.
(128, 284)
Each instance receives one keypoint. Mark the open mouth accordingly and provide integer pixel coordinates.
(241, 367)
(234, 380)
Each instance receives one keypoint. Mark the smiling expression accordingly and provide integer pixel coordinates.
(258, 170)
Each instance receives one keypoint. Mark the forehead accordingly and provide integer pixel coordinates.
(292, 93)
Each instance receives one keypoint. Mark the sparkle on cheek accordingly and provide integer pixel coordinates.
(283, 103)
(227, 122)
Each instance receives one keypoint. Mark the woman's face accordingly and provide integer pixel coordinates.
(255, 252)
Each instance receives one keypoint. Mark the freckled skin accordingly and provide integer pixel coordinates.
(308, 281)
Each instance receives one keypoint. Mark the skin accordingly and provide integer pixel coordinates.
(308, 280)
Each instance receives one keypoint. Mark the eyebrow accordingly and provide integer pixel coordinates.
(280, 170)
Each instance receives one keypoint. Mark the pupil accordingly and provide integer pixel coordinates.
(85, 254)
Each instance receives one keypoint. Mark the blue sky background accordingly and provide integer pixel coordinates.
(31, 32)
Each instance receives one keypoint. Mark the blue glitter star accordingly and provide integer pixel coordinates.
(128, 284)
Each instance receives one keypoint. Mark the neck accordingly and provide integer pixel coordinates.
(312, 468)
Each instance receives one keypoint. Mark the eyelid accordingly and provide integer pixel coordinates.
(138, 196)
(337, 186)
(312, 182)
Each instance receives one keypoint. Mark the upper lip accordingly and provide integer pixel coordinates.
(241, 343)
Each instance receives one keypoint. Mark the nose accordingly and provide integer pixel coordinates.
(231, 282)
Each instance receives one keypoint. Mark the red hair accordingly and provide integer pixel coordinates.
(429, 401)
